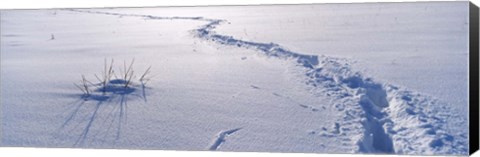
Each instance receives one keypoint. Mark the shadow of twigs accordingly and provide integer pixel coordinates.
(84, 134)
(98, 113)
(144, 93)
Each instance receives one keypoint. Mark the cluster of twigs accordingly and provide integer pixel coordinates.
(84, 86)
(106, 75)
(127, 74)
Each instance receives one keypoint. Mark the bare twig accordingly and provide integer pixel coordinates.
(107, 74)
(143, 78)
(81, 89)
(84, 86)
(128, 75)
(84, 81)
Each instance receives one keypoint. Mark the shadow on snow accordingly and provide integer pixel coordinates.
(108, 104)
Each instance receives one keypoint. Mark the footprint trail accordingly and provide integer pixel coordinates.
(378, 117)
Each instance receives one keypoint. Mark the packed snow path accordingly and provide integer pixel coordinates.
(378, 117)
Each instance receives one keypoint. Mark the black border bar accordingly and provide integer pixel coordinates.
(473, 80)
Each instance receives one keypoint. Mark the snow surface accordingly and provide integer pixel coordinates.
(336, 78)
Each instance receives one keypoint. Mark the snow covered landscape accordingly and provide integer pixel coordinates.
(381, 78)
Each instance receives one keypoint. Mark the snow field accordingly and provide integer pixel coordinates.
(211, 91)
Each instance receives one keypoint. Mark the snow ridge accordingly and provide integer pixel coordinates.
(379, 117)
